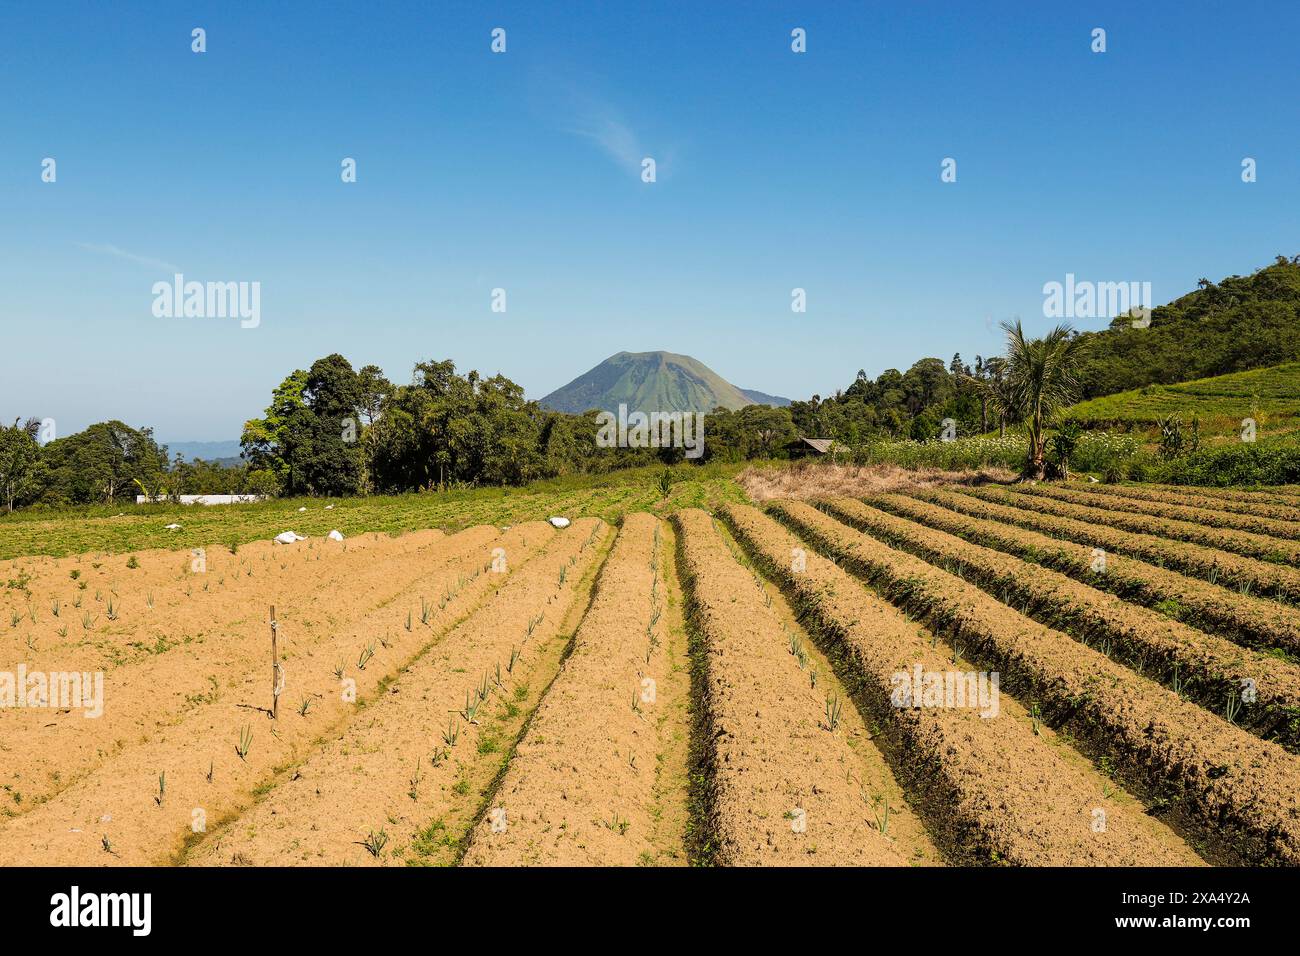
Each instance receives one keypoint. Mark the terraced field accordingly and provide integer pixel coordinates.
(1009, 675)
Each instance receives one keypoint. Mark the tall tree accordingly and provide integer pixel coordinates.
(1043, 378)
(19, 458)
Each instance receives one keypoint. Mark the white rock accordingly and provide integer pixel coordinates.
(559, 522)
(289, 537)
(329, 507)
(335, 536)
(303, 508)
(173, 527)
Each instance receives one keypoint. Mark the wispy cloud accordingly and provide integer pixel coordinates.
(574, 105)
(110, 250)
(604, 127)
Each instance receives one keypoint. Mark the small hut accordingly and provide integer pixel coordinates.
(811, 447)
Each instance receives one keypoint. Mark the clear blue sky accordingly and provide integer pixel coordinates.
(521, 171)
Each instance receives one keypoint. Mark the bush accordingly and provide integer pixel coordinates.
(1247, 463)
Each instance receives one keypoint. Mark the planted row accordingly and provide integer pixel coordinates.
(993, 786)
(1035, 498)
(1239, 794)
(1242, 618)
(780, 793)
(579, 789)
(1193, 498)
(1257, 691)
(1245, 575)
(1203, 514)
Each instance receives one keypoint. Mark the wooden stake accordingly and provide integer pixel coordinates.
(275, 669)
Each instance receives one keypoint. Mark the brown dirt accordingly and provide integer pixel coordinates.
(784, 790)
(363, 780)
(113, 796)
(1040, 498)
(580, 788)
(1238, 793)
(1242, 618)
(212, 647)
(1202, 667)
(993, 790)
(1271, 580)
(1192, 498)
(1202, 512)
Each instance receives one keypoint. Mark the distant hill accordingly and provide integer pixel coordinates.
(1238, 323)
(762, 398)
(653, 381)
(225, 452)
(1271, 396)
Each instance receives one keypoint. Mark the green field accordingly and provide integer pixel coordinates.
(1271, 396)
(115, 529)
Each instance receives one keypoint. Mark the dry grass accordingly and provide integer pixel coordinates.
(812, 479)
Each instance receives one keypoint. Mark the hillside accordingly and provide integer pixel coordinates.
(1239, 323)
(1269, 395)
(652, 381)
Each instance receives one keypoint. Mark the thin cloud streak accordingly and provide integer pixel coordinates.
(111, 250)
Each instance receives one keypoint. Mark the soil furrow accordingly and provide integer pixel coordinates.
(1239, 794)
(580, 787)
(48, 750)
(1245, 574)
(386, 788)
(1251, 545)
(193, 763)
(1262, 692)
(784, 775)
(1246, 620)
(994, 789)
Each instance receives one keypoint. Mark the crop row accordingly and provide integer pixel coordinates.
(214, 749)
(1285, 495)
(1242, 618)
(1191, 497)
(405, 779)
(1258, 691)
(1235, 791)
(1206, 515)
(580, 787)
(1038, 498)
(1215, 566)
(779, 790)
(223, 662)
(994, 787)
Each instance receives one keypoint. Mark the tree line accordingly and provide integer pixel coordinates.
(335, 430)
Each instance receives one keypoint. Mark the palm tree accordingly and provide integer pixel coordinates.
(1042, 375)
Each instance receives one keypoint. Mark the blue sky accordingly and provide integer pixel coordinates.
(521, 171)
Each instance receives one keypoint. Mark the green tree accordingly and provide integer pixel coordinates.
(19, 462)
(1042, 376)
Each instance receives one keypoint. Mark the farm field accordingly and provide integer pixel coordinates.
(924, 675)
(1268, 395)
